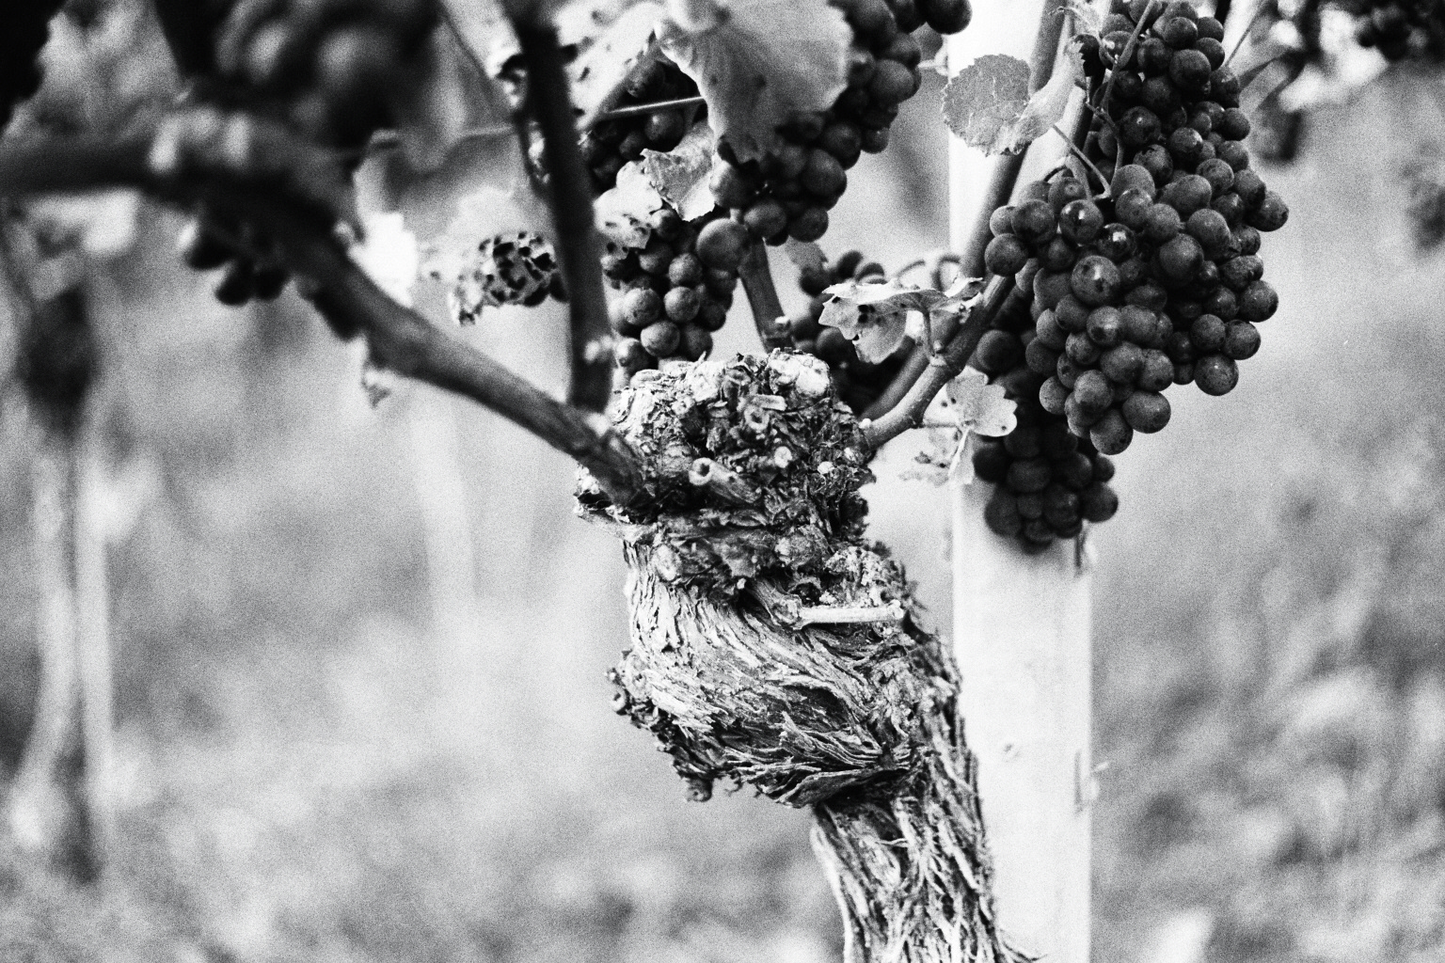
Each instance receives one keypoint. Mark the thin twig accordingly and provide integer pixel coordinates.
(942, 369)
(1259, 11)
(570, 195)
(757, 277)
(1068, 139)
(633, 110)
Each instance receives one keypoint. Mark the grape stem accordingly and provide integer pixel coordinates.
(1125, 56)
(942, 368)
(569, 193)
(352, 303)
(768, 317)
(1259, 11)
(1083, 159)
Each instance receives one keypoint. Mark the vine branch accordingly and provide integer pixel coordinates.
(352, 303)
(569, 191)
(942, 368)
(1001, 183)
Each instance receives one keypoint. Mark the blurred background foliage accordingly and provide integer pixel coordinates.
(314, 763)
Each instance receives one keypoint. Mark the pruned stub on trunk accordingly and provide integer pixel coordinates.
(773, 645)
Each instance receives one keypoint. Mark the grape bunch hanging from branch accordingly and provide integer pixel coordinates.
(773, 645)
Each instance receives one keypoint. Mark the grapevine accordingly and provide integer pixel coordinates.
(773, 644)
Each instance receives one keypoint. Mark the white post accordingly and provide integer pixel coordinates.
(1021, 632)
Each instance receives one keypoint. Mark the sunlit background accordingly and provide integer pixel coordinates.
(360, 653)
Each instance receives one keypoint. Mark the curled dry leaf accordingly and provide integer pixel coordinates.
(680, 175)
(757, 62)
(874, 316)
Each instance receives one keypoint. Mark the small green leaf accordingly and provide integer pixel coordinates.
(980, 407)
(988, 104)
(984, 97)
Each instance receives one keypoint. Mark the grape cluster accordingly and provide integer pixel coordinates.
(789, 193)
(1120, 295)
(859, 382)
(328, 69)
(610, 144)
(1160, 281)
(1401, 29)
(1049, 481)
(27, 27)
(676, 290)
(519, 268)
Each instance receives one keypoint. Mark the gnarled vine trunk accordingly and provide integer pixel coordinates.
(774, 646)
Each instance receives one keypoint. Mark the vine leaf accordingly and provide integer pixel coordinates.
(983, 98)
(680, 175)
(608, 59)
(989, 106)
(980, 407)
(757, 62)
(874, 316)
